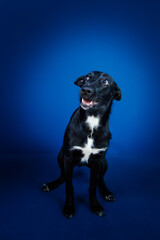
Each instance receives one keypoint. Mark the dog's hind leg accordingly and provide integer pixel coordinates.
(47, 187)
(54, 184)
(105, 193)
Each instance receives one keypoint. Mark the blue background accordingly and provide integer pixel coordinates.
(45, 46)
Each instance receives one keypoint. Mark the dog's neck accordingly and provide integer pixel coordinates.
(102, 113)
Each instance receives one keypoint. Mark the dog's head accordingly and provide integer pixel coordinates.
(97, 89)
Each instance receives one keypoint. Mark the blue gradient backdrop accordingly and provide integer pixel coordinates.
(45, 46)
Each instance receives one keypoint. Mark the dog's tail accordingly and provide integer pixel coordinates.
(47, 187)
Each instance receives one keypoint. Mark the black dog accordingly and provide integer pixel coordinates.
(86, 139)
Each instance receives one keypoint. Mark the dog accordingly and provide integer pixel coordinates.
(86, 140)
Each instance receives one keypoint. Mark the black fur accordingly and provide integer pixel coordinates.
(101, 89)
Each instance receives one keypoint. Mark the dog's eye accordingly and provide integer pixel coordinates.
(105, 82)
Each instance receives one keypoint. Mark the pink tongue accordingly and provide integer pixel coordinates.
(86, 101)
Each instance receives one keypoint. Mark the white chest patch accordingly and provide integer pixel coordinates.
(92, 122)
(88, 149)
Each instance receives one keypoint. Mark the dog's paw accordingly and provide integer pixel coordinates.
(45, 188)
(68, 211)
(109, 197)
(98, 210)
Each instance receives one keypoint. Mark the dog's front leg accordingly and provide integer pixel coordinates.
(106, 194)
(95, 206)
(68, 210)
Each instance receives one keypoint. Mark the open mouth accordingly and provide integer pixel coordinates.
(87, 104)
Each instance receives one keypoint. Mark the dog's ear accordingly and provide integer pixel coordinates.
(80, 81)
(118, 93)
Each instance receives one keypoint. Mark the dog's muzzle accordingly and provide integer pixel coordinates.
(85, 104)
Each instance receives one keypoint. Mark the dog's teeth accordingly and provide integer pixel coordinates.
(88, 103)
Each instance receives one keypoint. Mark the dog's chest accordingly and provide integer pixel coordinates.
(88, 148)
(92, 122)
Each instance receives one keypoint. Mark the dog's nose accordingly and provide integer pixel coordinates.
(87, 91)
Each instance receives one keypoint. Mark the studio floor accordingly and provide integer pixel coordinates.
(28, 213)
